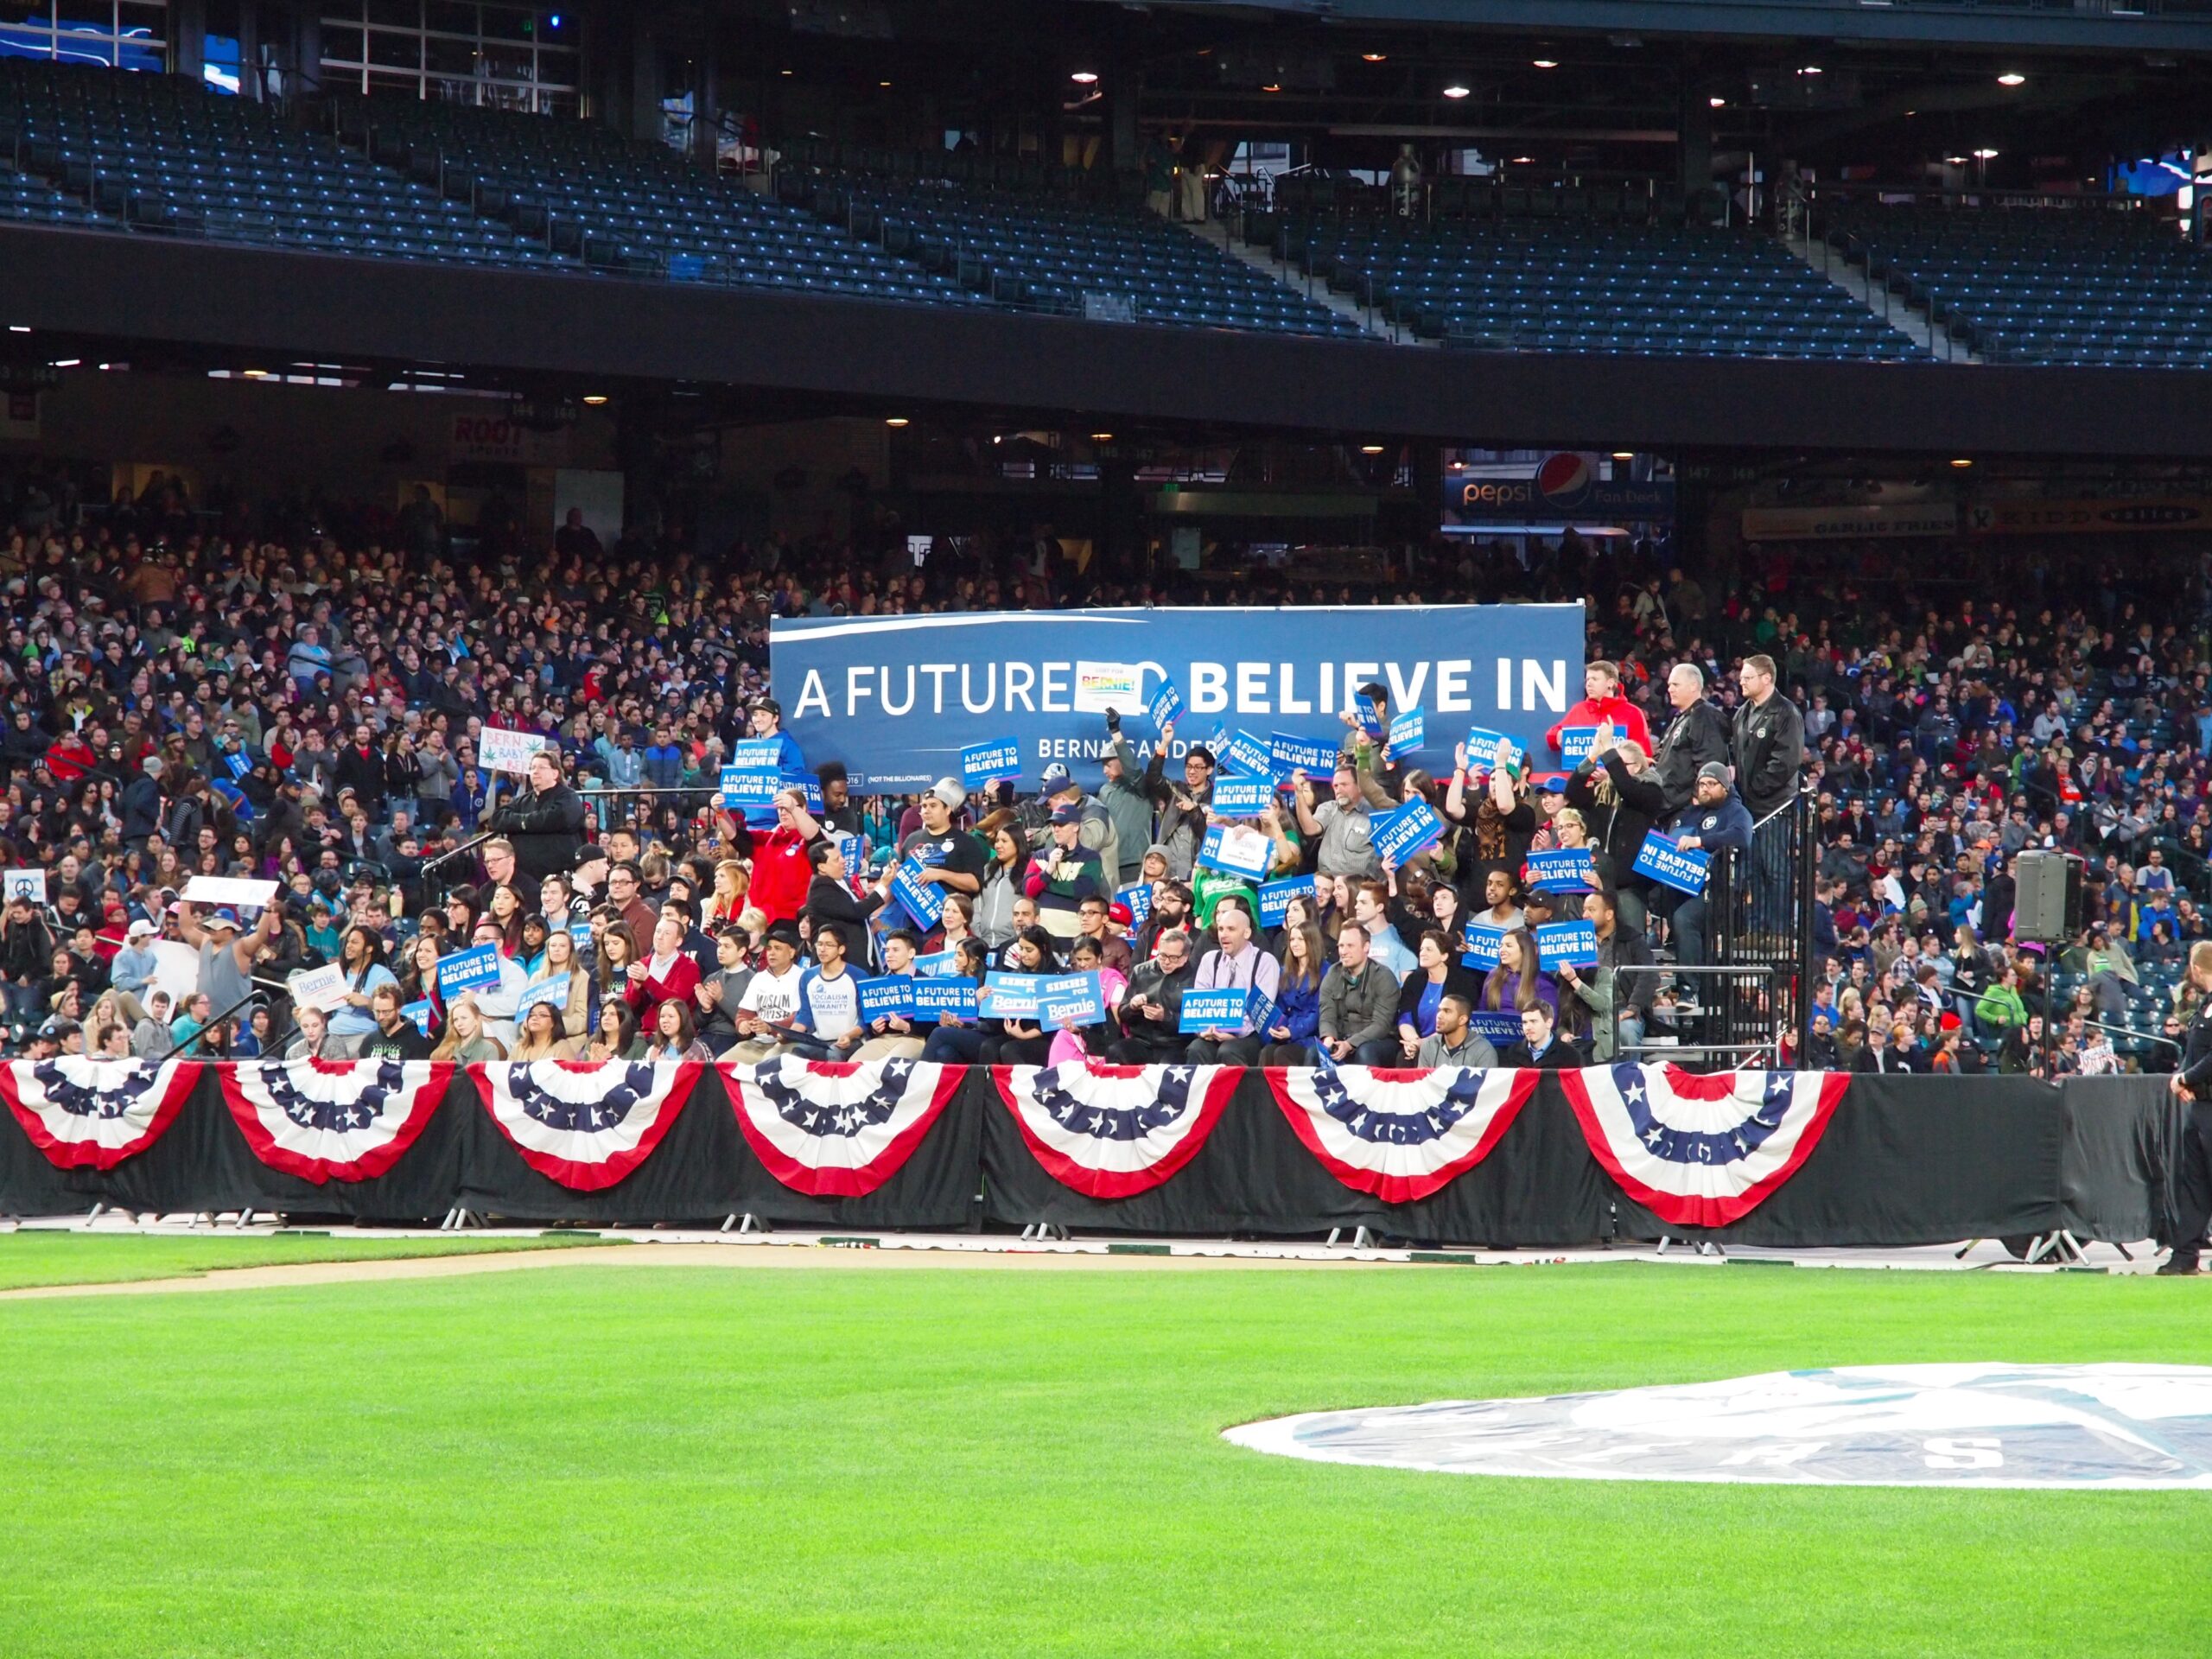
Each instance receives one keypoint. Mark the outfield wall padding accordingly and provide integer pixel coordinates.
(1904, 1162)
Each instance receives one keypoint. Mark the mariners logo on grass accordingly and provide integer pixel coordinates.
(2088, 1427)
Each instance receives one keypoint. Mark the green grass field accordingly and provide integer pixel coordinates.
(602, 1460)
(43, 1257)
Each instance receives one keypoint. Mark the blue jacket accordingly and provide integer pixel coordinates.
(1727, 824)
(1298, 1007)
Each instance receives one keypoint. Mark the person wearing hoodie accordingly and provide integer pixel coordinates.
(1603, 704)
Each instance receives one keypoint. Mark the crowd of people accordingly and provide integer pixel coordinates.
(312, 712)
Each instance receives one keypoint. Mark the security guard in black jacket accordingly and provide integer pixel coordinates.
(2193, 1083)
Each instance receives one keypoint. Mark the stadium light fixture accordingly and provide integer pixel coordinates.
(1374, 57)
(1623, 455)
(595, 398)
(790, 72)
(1455, 90)
(1955, 160)
(1985, 155)
(1545, 63)
(1524, 161)
(1101, 437)
(68, 362)
(897, 420)
(1811, 69)
(1962, 463)
(2011, 78)
(1718, 103)
(1370, 448)
(1272, 86)
(19, 328)
(885, 85)
(1084, 77)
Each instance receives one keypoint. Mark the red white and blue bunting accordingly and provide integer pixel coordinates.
(586, 1124)
(1399, 1134)
(1110, 1131)
(333, 1120)
(837, 1129)
(93, 1114)
(1702, 1150)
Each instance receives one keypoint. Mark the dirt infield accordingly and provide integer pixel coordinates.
(670, 1255)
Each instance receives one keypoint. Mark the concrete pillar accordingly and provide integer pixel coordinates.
(188, 39)
(1695, 146)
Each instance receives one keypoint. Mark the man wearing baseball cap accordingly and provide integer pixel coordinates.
(227, 953)
(1061, 878)
(1715, 820)
(950, 858)
(1060, 789)
(765, 717)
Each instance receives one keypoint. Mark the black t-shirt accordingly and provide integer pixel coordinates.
(408, 1043)
(955, 850)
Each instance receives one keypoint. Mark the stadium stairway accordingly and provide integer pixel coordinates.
(1918, 326)
(1263, 260)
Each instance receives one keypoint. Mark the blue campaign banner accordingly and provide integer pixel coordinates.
(922, 900)
(1243, 754)
(466, 970)
(1275, 897)
(937, 965)
(953, 995)
(855, 848)
(1563, 870)
(1482, 750)
(1235, 850)
(1406, 733)
(1012, 996)
(1138, 897)
(1500, 1029)
(1574, 743)
(1315, 756)
(1166, 707)
(743, 788)
(238, 763)
(1678, 867)
(1398, 835)
(581, 932)
(1481, 948)
(889, 993)
(1071, 1000)
(756, 754)
(1242, 797)
(1213, 1010)
(419, 1012)
(554, 990)
(1574, 944)
(986, 763)
(1259, 1009)
(896, 698)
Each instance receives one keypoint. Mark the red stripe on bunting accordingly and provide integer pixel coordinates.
(594, 1176)
(833, 1181)
(1120, 1183)
(15, 1077)
(371, 1162)
(1399, 1189)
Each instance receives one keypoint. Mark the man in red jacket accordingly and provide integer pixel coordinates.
(667, 975)
(1603, 704)
(781, 870)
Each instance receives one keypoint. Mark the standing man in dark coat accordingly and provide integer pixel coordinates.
(545, 822)
(1697, 733)
(1769, 741)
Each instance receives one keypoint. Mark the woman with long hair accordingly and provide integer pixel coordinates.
(465, 1040)
(418, 976)
(504, 906)
(618, 949)
(674, 1038)
(615, 1035)
(1291, 1033)
(994, 916)
(1519, 981)
(559, 957)
(726, 902)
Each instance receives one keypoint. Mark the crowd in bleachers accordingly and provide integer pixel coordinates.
(256, 693)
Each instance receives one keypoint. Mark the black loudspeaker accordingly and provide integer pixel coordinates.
(2047, 908)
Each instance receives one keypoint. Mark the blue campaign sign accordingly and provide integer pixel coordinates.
(554, 990)
(855, 848)
(419, 1012)
(1012, 996)
(887, 995)
(1166, 707)
(1482, 750)
(756, 754)
(1680, 868)
(1241, 753)
(1398, 835)
(237, 761)
(1500, 1029)
(1574, 743)
(1235, 850)
(1259, 1009)
(988, 762)
(1315, 756)
(1071, 1000)
(937, 965)
(466, 970)
(1138, 897)
(1482, 947)
(1275, 897)
(1406, 733)
(953, 995)
(1242, 797)
(922, 900)
(896, 698)
(581, 932)
(1574, 944)
(743, 788)
(1563, 870)
(1213, 1010)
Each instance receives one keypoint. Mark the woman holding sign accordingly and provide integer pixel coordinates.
(1519, 981)
(560, 962)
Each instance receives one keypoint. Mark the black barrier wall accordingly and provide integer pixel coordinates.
(1904, 1162)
